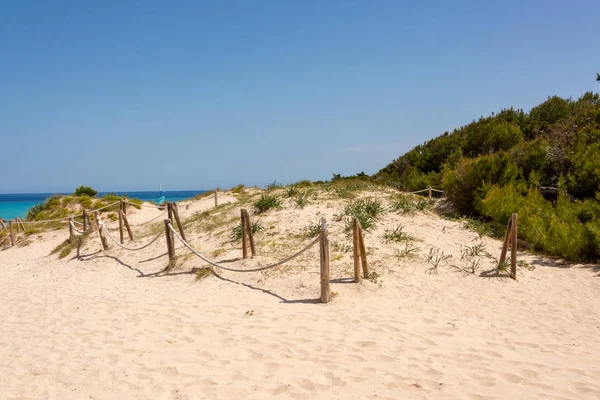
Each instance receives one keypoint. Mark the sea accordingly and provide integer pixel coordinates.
(17, 205)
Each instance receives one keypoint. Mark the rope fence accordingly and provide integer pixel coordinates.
(216, 264)
(131, 248)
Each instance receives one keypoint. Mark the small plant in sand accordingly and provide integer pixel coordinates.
(402, 203)
(341, 247)
(423, 204)
(313, 230)
(301, 200)
(366, 211)
(239, 189)
(267, 202)
(236, 231)
(291, 191)
(373, 276)
(396, 234)
(203, 273)
(478, 226)
(477, 250)
(525, 265)
(249, 313)
(408, 251)
(435, 257)
(274, 185)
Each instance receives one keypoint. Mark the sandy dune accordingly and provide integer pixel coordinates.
(107, 326)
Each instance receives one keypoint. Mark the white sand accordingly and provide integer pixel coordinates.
(104, 327)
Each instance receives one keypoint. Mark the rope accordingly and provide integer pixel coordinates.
(102, 208)
(153, 219)
(76, 230)
(78, 223)
(129, 248)
(142, 205)
(425, 190)
(242, 270)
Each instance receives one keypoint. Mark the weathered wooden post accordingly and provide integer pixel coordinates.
(126, 221)
(216, 198)
(71, 233)
(121, 222)
(244, 233)
(429, 193)
(84, 216)
(249, 233)
(175, 210)
(12, 232)
(124, 205)
(170, 210)
(506, 243)
(513, 247)
(170, 240)
(356, 250)
(324, 252)
(101, 230)
(363, 251)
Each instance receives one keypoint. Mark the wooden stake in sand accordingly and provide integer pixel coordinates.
(124, 206)
(121, 222)
(170, 240)
(12, 233)
(244, 233)
(324, 252)
(175, 211)
(359, 251)
(71, 233)
(510, 238)
(249, 233)
(85, 222)
(216, 198)
(356, 250)
(513, 247)
(100, 230)
(429, 193)
(124, 217)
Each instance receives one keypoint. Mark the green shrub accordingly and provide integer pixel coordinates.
(302, 200)
(267, 202)
(85, 201)
(274, 185)
(291, 191)
(396, 234)
(313, 230)
(366, 211)
(85, 191)
(236, 231)
(239, 189)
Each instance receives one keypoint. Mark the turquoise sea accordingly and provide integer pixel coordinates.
(17, 205)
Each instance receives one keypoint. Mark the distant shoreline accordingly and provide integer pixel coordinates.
(18, 204)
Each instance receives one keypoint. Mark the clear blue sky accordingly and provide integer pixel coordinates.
(125, 95)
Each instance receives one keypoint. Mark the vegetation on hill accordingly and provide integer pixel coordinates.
(544, 164)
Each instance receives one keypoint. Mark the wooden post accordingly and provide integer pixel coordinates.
(124, 216)
(71, 233)
(2, 224)
(363, 252)
(170, 210)
(356, 250)
(429, 193)
(216, 198)
(179, 225)
(12, 233)
(100, 230)
(507, 236)
(249, 233)
(244, 234)
(513, 247)
(85, 217)
(324, 252)
(124, 206)
(121, 222)
(170, 241)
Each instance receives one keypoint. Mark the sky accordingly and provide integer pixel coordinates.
(127, 95)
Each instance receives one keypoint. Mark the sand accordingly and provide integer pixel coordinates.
(107, 326)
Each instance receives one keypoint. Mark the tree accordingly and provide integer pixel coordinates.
(85, 191)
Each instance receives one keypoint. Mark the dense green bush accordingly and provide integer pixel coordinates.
(513, 153)
(85, 191)
(267, 202)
